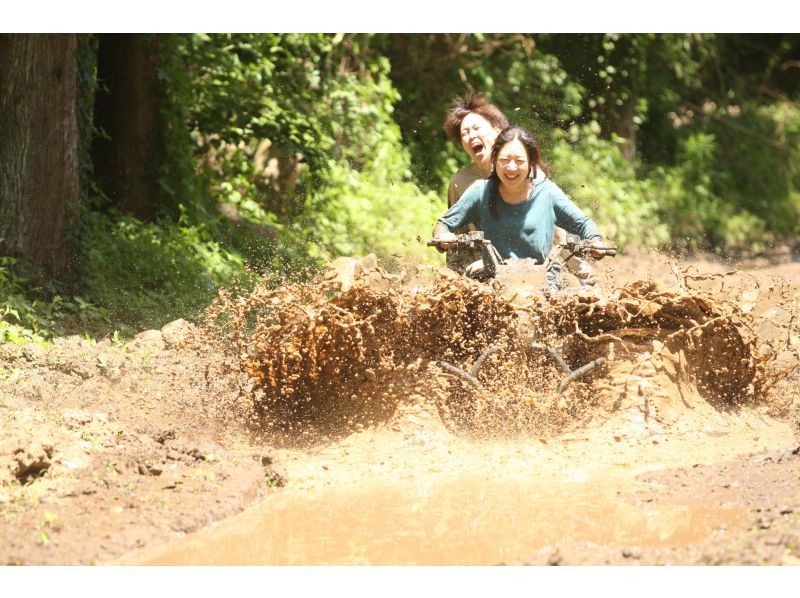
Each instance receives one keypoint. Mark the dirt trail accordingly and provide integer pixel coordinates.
(673, 451)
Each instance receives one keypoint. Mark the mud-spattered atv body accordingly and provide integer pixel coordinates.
(637, 348)
(522, 279)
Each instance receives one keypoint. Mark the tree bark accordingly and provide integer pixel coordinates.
(626, 128)
(126, 110)
(39, 163)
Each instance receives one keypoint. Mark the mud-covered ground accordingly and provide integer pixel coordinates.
(110, 448)
(106, 448)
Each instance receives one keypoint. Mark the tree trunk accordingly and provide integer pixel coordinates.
(626, 128)
(39, 176)
(126, 111)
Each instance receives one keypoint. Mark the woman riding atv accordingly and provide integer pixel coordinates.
(474, 123)
(515, 210)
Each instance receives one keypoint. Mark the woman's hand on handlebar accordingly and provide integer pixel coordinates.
(445, 240)
(598, 249)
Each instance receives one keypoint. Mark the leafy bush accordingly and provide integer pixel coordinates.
(366, 202)
(756, 170)
(148, 274)
(295, 135)
(603, 184)
(698, 203)
(33, 312)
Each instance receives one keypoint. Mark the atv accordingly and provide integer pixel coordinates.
(517, 279)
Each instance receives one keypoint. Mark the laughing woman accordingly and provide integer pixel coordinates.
(515, 210)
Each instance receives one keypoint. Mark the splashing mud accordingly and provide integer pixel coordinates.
(474, 423)
(320, 360)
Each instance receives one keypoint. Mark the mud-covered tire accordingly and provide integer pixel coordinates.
(459, 408)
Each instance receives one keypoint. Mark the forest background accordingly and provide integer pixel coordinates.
(141, 173)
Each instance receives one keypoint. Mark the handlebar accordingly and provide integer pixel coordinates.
(471, 239)
(587, 247)
(576, 246)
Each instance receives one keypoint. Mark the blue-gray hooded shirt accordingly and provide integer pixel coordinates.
(523, 230)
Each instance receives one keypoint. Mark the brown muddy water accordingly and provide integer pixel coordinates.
(466, 521)
(492, 504)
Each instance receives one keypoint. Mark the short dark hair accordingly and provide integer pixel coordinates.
(531, 149)
(471, 102)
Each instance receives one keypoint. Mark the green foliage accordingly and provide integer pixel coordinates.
(690, 206)
(757, 169)
(35, 312)
(366, 214)
(734, 186)
(366, 202)
(295, 137)
(177, 183)
(148, 274)
(250, 87)
(596, 176)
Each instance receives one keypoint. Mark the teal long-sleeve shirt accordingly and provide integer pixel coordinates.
(523, 230)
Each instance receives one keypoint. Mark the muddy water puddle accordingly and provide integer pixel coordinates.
(427, 498)
(466, 520)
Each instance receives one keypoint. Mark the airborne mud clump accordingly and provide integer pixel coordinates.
(322, 359)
